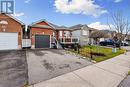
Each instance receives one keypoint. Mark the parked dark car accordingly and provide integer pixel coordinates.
(112, 43)
(109, 42)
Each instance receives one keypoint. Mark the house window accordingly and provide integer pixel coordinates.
(54, 34)
(60, 33)
(66, 33)
(84, 32)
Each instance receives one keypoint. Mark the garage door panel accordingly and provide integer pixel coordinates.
(8, 41)
(42, 41)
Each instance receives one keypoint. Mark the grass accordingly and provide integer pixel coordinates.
(26, 85)
(129, 73)
(98, 53)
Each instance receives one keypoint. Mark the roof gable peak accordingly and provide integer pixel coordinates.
(12, 17)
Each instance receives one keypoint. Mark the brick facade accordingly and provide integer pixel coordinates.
(12, 27)
(40, 31)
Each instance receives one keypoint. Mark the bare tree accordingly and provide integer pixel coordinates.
(96, 35)
(121, 25)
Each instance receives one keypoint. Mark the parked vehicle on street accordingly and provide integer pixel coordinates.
(109, 43)
(113, 43)
(125, 43)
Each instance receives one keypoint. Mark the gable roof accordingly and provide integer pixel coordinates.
(56, 27)
(108, 31)
(41, 26)
(13, 18)
(51, 25)
(80, 26)
(76, 27)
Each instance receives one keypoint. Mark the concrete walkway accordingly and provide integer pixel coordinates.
(108, 73)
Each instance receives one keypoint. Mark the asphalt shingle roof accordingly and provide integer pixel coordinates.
(59, 27)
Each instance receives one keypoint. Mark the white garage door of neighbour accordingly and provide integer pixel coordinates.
(8, 41)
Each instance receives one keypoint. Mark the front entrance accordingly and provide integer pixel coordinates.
(42, 41)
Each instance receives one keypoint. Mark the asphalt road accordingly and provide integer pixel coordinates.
(13, 68)
(125, 82)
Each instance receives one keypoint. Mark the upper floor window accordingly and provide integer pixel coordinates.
(66, 33)
(84, 32)
(60, 33)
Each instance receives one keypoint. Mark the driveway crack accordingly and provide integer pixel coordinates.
(109, 71)
(87, 82)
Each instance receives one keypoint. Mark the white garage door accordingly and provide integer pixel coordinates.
(8, 41)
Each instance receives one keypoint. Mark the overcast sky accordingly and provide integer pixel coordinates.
(94, 13)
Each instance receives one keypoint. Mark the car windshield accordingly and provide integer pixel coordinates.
(109, 40)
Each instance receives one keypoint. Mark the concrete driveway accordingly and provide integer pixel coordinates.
(13, 68)
(47, 64)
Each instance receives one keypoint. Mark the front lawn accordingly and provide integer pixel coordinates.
(98, 53)
(129, 73)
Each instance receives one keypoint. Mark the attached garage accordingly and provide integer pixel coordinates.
(42, 41)
(8, 41)
(41, 33)
(11, 32)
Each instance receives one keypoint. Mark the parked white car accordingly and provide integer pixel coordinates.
(125, 43)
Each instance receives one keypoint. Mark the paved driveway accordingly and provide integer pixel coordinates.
(46, 64)
(13, 68)
(108, 73)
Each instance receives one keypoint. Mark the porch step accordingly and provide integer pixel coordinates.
(55, 46)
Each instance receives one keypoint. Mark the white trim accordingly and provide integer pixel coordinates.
(69, 42)
(43, 20)
(21, 37)
(34, 40)
(50, 41)
(56, 42)
(71, 38)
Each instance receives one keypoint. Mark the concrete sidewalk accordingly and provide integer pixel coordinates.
(108, 73)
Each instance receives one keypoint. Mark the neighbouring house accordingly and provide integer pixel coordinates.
(109, 33)
(83, 33)
(63, 37)
(41, 34)
(11, 32)
(61, 31)
(98, 36)
(128, 38)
